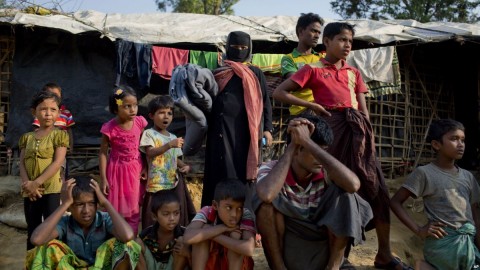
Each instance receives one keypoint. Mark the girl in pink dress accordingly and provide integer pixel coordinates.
(120, 170)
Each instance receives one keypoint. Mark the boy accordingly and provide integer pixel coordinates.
(307, 219)
(339, 93)
(450, 196)
(162, 243)
(64, 121)
(162, 149)
(223, 235)
(308, 31)
(82, 239)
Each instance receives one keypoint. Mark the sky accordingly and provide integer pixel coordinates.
(242, 8)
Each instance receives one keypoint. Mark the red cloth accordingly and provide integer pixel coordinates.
(218, 260)
(331, 87)
(253, 102)
(164, 60)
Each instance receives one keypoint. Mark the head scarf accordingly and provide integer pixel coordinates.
(239, 38)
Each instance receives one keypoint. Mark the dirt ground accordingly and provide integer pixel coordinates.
(404, 244)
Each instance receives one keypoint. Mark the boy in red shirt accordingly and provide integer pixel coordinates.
(339, 94)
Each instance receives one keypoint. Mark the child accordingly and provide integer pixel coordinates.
(339, 93)
(42, 152)
(450, 196)
(223, 235)
(64, 122)
(162, 149)
(83, 238)
(121, 174)
(162, 243)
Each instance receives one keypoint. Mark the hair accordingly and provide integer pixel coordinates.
(119, 93)
(440, 127)
(51, 85)
(230, 189)
(335, 28)
(162, 197)
(322, 134)
(82, 185)
(160, 102)
(306, 19)
(39, 97)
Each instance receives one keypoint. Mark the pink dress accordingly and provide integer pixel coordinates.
(124, 167)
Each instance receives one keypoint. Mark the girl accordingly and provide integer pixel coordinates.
(42, 152)
(121, 174)
(162, 243)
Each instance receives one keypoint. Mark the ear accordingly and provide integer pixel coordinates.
(150, 116)
(215, 205)
(154, 217)
(436, 145)
(325, 41)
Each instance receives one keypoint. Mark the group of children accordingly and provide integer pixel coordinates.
(222, 235)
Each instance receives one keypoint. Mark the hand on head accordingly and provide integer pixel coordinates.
(101, 198)
(300, 130)
(66, 194)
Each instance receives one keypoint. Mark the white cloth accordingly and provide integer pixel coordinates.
(374, 64)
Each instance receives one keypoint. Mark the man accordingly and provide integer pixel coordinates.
(307, 216)
(308, 31)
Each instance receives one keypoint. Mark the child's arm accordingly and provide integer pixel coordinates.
(433, 229)
(152, 152)
(198, 231)
(102, 163)
(183, 167)
(142, 264)
(121, 230)
(47, 231)
(31, 187)
(476, 219)
(362, 104)
(70, 139)
(282, 94)
(244, 246)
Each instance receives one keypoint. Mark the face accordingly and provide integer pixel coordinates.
(229, 211)
(162, 118)
(310, 35)
(168, 216)
(308, 162)
(128, 109)
(452, 145)
(56, 91)
(340, 46)
(46, 112)
(84, 209)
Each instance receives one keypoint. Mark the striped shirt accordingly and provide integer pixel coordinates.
(64, 120)
(306, 200)
(208, 215)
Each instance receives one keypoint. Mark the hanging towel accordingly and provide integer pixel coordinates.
(374, 64)
(164, 60)
(268, 62)
(204, 59)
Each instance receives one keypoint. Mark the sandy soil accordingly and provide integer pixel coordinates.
(404, 244)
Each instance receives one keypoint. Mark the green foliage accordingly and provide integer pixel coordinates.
(420, 10)
(214, 7)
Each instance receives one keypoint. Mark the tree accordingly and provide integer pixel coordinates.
(214, 7)
(420, 10)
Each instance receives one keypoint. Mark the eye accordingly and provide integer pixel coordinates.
(228, 207)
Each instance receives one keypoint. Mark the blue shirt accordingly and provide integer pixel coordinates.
(85, 247)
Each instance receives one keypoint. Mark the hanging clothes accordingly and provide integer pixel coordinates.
(268, 62)
(204, 59)
(164, 60)
(133, 59)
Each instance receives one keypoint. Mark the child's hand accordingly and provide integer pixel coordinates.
(177, 143)
(101, 198)
(105, 187)
(184, 169)
(433, 229)
(66, 194)
(181, 248)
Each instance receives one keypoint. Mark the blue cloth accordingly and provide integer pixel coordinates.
(85, 247)
(133, 59)
(456, 250)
